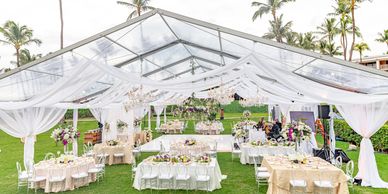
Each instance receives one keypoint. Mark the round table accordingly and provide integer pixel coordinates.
(197, 149)
(52, 168)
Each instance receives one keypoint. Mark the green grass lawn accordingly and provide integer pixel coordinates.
(240, 177)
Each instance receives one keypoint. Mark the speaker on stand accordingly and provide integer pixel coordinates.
(324, 152)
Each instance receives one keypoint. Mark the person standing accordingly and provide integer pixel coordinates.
(222, 114)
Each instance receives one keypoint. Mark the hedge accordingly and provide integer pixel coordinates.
(379, 139)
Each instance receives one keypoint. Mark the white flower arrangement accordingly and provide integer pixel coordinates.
(121, 125)
(65, 135)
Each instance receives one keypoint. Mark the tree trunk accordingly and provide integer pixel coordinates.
(17, 57)
(61, 16)
(274, 15)
(360, 56)
(354, 31)
(138, 11)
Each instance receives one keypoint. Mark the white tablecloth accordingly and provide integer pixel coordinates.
(213, 169)
(246, 148)
(211, 128)
(51, 168)
(198, 149)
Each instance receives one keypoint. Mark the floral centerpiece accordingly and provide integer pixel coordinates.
(65, 135)
(148, 135)
(257, 143)
(240, 133)
(296, 131)
(136, 123)
(121, 125)
(112, 143)
(161, 158)
(247, 114)
(190, 142)
(181, 159)
(65, 159)
(204, 159)
(298, 158)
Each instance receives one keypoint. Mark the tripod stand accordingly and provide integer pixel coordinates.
(325, 152)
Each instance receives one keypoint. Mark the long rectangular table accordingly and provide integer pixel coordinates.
(283, 170)
(262, 150)
(213, 170)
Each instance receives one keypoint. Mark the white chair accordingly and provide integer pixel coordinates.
(162, 148)
(262, 175)
(165, 177)
(349, 173)
(297, 186)
(118, 156)
(88, 150)
(49, 156)
(253, 155)
(133, 169)
(202, 177)
(183, 177)
(258, 167)
(213, 150)
(338, 162)
(56, 176)
(81, 176)
(148, 175)
(99, 169)
(136, 152)
(323, 186)
(235, 152)
(102, 155)
(22, 176)
(34, 180)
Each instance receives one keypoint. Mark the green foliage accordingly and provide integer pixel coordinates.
(379, 139)
(235, 107)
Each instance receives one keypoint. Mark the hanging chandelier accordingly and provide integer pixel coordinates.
(137, 98)
(222, 94)
(255, 101)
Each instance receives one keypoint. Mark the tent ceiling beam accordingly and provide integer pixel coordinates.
(166, 66)
(181, 73)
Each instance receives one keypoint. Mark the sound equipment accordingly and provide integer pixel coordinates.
(342, 154)
(325, 154)
(323, 111)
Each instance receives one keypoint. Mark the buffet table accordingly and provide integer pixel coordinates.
(282, 170)
(209, 127)
(110, 150)
(53, 167)
(247, 148)
(212, 168)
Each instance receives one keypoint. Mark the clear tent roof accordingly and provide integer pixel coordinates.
(162, 45)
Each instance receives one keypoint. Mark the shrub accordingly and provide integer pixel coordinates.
(379, 139)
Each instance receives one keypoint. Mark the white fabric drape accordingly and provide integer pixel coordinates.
(149, 118)
(164, 114)
(29, 122)
(366, 120)
(75, 126)
(158, 111)
(332, 132)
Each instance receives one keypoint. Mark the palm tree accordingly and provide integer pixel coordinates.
(61, 16)
(271, 6)
(383, 37)
(307, 41)
(291, 38)
(354, 28)
(17, 36)
(327, 48)
(26, 57)
(138, 6)
(329, 29)
(361, 47)
(277, 30)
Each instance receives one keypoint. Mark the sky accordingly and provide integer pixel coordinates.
(84, 18)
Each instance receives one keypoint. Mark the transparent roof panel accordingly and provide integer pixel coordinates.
(194, 34)
(142, 38)
(204, 54)
(60, 65)
(236, 45)
(169, 55)
(344, 77)
(95, 88)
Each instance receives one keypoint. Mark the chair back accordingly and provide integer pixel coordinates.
(350, 168)
(49, 156)
(201, 170)
(338, 162)
(165, 169)
(181, 169)
(101, 160)
(18, 168)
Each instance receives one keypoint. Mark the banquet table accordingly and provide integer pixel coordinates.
(246, 148)
(213, 170)
(171, 127)
(52, 167)
(283, 170)
(125, 148)
(197, 149)
(209, 128)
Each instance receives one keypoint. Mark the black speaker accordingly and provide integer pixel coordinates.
(323, 111)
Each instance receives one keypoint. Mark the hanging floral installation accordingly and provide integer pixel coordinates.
(198, 109)
(65, 134)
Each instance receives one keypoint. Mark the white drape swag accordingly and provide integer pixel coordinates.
(366, 120)
(75, 126)
(158, 111)
(29, 122)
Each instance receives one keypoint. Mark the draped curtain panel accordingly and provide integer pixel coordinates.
(29, 122)
(366, 120)
(75, 126)
(158, 111)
